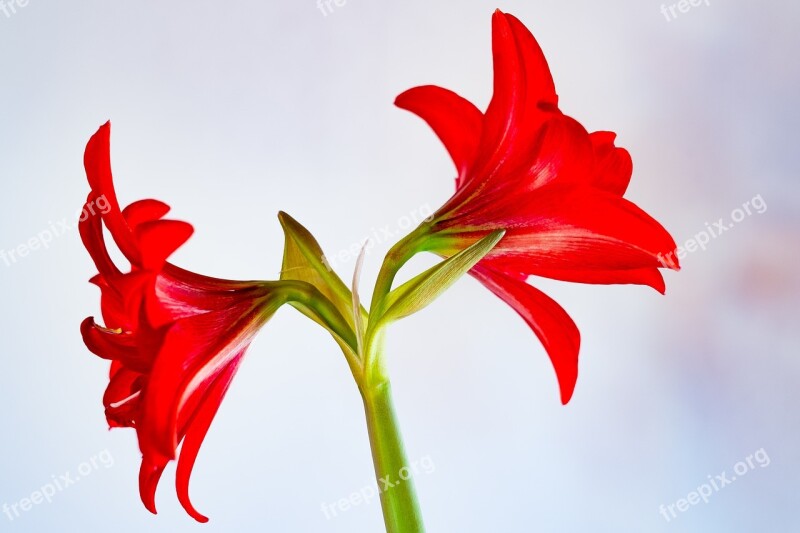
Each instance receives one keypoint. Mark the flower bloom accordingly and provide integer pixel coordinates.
(174, 338)
(556, 189)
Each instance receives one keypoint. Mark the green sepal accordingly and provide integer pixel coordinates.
(303, 260)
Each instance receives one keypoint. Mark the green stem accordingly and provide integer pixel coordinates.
(398, 256)
(401, 512)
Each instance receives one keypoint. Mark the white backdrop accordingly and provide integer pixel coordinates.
(232, 111)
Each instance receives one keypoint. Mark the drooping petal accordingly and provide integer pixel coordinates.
(196, 432)
(149, 475)
(456, 121)
(551, 324)
(193, 353)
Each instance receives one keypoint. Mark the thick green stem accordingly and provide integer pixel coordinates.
(398, 497)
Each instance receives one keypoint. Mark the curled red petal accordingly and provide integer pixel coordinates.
(144, 211)
(97, 161)
(196, 433)
(455, 120)
(149, 476)
(613, 165)
(552, 325)
(193, 353)
(158, 239)
(113, 344)
(90, 227)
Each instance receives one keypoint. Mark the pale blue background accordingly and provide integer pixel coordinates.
(232, 111)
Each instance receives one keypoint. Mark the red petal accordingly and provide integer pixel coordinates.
(149, 475)
(561, 155)
(97, 161)
(90, 227)
(194, 352)
(144, 211)
(539, 84)
(564, 154)
(456, 121)
(638, 276)
(551, 324)
(576, 230)
(159, 239)
(613, 166)
(122, 398)
(197, 429)
(524, 96)
(124, 299)
(111, 345)
(185, 293)
(111, 304)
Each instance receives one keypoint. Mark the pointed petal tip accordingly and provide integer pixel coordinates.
(149, 475)
(499, 18)
(566, 385)
(286, 219)
(190, 510)
(405, 99)
(566, 396)
(400, 98)
(103, 131)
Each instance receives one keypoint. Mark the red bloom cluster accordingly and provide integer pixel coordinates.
(174, 338)
(557, 190)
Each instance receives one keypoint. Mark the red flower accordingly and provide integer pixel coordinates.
(556, 189)
(175, 339)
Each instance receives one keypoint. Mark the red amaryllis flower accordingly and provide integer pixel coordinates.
(556, 189)
(174, 338)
